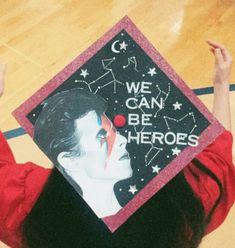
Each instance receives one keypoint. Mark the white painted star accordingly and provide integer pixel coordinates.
(175, 151)
(156, 169)
(133, 189)
(84, 73)
(152, 71)
(123, 45)
(177, 106)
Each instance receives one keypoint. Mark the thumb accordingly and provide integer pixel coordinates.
(218, 56)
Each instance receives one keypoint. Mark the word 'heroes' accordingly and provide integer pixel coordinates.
(168, 138)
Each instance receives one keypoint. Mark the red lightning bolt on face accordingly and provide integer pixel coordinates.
(108, 126)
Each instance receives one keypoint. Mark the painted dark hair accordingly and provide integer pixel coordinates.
(54, 130)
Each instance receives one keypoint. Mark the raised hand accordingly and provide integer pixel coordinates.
(223, 63)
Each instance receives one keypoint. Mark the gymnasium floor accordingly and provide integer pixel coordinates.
(39, 37)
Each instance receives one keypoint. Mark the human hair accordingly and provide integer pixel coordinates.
(172, 218)
(54, 130)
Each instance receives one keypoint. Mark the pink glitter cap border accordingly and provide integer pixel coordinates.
(173, 168)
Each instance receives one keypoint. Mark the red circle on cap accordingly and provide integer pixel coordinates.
(119, 120)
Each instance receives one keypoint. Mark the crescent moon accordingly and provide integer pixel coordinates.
(113, 47)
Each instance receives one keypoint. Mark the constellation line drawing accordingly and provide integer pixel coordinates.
(164, 98)
(166, 118)
(105, 64)
(153, 149)
(83, 81)
(157, 151)
(131, 60)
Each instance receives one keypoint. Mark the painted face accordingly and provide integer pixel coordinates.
(103, 150)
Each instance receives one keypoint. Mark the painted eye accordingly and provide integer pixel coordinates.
(102, 135)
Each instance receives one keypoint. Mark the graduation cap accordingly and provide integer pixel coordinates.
(118, 122)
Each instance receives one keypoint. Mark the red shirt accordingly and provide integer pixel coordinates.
(20, 185)
(217, 158)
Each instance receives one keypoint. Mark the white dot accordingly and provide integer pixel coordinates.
(34, 114)
(124, 67)
(122, 34)
(98, 87)
(138, 169)
(120, 189)
(116, 101)
(114, 58)
(76, 81)
(142, 179)
(125, 131)
(143, 75)
(167, 156)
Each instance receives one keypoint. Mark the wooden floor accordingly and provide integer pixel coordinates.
(39, 37)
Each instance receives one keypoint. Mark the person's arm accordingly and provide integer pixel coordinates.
(221, 76)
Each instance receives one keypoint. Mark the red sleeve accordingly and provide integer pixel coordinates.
(217, 159)
(20, 185)
(6, 155)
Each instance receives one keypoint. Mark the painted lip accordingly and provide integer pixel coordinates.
(124, 156)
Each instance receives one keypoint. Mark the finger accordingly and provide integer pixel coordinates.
(227, 56)
(219, 59)
(215, 44)
(212, 51)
